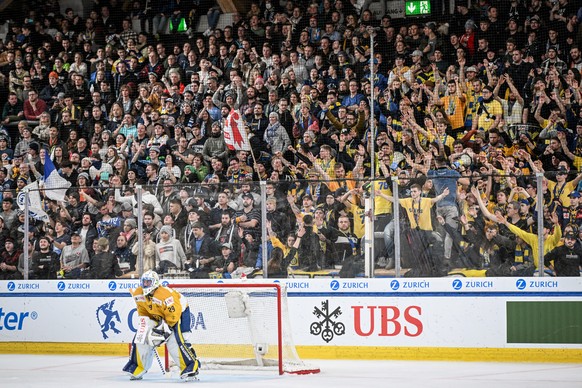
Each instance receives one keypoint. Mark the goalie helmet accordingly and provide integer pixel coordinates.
(149, 282)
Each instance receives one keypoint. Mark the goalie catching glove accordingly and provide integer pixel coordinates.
(159, 334)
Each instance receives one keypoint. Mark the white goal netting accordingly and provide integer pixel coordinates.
(242, 326)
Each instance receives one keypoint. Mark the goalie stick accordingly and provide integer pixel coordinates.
(159, 361)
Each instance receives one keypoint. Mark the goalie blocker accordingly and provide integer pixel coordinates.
(164, 318)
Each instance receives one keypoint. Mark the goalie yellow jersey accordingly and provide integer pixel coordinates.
(165, 303)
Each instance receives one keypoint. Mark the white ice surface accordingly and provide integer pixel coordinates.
(102, 372)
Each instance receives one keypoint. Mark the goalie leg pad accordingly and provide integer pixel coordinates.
(185, 326)
(190, 371)
(181, 353)
(140, 360)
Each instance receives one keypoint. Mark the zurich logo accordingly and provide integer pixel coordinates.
(520, 284)
(165, 283)
(112, 286)
(61, 286)
(394, 285)
(457, 284)
(11, 286)
(334, 285)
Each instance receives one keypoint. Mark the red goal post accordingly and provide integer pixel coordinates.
(241, 326)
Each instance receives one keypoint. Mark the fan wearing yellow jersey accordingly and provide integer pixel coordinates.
(417, 207)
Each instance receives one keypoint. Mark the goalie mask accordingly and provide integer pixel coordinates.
(149, 282)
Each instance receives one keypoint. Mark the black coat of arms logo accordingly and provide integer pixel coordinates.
(327, 325)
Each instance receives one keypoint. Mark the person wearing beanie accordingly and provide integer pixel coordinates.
(86, 177)
(50, 93)
(276, 137)
(190, 175)
(167, 229)
(130, 223)
(566, 259)
(45, 261)
(169, 251)
(468, 38)
(129, 230)
(215, 145)
(33, 153)
(9, 260)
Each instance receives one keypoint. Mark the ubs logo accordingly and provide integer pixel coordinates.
(327, 324)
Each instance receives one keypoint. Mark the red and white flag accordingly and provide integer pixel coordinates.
(235, 135)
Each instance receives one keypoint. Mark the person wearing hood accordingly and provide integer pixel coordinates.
(169, 251)
(276, 136)
(215, 145)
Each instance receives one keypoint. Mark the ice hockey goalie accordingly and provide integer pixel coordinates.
(166, 317)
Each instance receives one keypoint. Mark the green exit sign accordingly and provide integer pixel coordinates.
(417, 8)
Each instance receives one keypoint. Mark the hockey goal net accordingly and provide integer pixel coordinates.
(242, 326)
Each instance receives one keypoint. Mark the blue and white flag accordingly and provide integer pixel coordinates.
(35, 209)
(55, 185)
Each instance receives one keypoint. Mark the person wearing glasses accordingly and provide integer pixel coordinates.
(34, 107)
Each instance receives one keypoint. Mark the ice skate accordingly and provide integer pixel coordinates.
(193, 374)
(190, 377)
(134, 377)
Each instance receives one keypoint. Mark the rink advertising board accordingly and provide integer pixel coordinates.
(447, 318)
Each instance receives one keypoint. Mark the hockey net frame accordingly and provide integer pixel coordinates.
(293, 366)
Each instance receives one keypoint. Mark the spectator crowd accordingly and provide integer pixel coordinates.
(460, 110)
